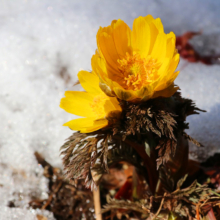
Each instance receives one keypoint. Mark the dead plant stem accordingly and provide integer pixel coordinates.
(97, 203)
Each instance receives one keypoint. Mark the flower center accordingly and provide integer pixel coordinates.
(137, 72)
(98, 105)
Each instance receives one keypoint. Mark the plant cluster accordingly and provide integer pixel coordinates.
(131, 113)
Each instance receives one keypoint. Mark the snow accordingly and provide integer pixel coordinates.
(42, 40)
(18, 213)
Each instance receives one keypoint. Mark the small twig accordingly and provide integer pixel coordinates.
(97, 204)
(51, 195)
(161, 204)
(197, 212)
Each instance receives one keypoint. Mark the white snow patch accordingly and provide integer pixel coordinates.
(18, 214)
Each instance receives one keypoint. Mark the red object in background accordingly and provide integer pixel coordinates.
(133, 187)
(187, 51)
(214, 175)
(125, 192)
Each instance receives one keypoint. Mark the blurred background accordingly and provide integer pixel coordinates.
(43, 45)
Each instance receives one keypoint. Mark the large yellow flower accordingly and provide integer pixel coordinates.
(94, 105)
(138, 64)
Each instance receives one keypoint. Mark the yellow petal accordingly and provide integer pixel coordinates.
(159, 49)
(89, 81)
(153, 31)
(78, 103)
(160, 83)
(168, 76)
(149, 18)
(158, 24)
(145, 93)
(106, 89)
(106, 84)
(110, 105)
(168, 92)
(174, 63)
(122, 37)
(171, 80)
(171, 44)
(98, 124)
(85, 125)
(141, 36)
(99, 67)
(106, 47)
(124, 94)
(115, 102)
(102, 69)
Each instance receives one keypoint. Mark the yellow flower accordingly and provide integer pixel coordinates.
(138, 64)
(94, 105)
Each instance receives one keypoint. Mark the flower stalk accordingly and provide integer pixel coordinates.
(97, 203)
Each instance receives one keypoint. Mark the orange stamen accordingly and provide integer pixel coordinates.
(137, 71)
